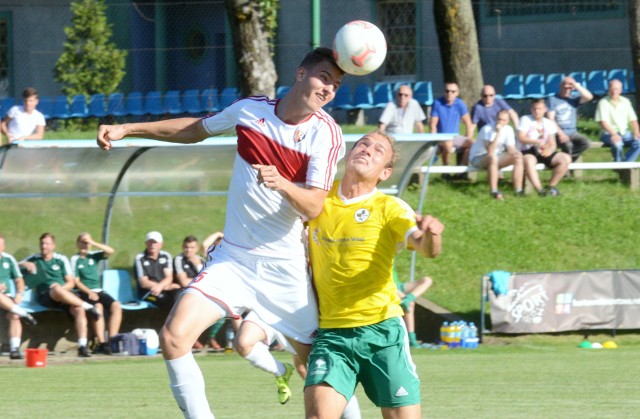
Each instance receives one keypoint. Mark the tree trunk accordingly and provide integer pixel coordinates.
(458, 41)
(634, 28)
(251, 48)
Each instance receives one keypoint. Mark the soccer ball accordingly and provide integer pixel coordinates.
(359, 48)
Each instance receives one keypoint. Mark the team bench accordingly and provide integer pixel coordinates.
(629, 172)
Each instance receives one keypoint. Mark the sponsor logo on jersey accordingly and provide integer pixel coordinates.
(401, 392)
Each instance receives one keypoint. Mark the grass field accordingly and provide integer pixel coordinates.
(525, 377)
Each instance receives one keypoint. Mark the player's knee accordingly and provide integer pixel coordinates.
(243, 344)
(426, 281)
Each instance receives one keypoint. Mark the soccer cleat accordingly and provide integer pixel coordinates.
(95, 314)
(28, 318)
(83, 352)
(15, 354)
(282, 382)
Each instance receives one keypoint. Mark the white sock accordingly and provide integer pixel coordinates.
(16, 309)
(260, 357)
(86, 305)
(352, 409)
(14, 343)
(82, 341)
(187, 384)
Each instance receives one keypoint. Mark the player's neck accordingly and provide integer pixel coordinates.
(290, 112)
(350, 188)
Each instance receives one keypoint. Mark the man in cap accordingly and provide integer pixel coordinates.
(154, 271)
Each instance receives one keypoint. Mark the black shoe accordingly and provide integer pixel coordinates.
(29, 319)
(542, 192)
(83, 352)
(102, 348)
(15, 354)
(95, 314)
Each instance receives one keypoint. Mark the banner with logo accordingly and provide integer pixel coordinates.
(562, 301)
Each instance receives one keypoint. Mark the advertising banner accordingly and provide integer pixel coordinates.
(563, 301)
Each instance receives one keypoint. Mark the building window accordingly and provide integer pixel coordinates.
(398, 22)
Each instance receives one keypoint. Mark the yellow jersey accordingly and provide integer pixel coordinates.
(352, 244)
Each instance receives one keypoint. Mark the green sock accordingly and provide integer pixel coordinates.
(412, 339)
(406, 301)
(216, 328)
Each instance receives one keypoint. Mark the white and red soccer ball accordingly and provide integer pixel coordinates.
(359, 47)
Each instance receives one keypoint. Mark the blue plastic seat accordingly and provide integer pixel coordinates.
(30, 302)
(115, 107)
(133, 104)
(579, 76)
(423, 93)
(173, 102)
(382, 94)
(98, 105)
(45, 106)
(552, 83)
(5, 104)
(228, 96)
(210, 100)
(191, 102)
(342, 99)
(618, 74)
(153, 103)
(513, 87)
(632, 82)
(281, 91)
(78, 107)
(362, 97)
(117, 283)
(597, 82)
(60, 107)
(534, 86)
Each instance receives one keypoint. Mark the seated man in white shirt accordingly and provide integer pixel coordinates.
(403, 115)
(494, 149)
(24, 122)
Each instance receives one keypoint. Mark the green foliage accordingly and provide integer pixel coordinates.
(269, 19)
(90, 62)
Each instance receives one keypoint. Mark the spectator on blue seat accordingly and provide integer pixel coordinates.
(619, 124)
(85, 267)
(563, 110)
(154, 272)
(24, 122)
(10, 272)
(446, 114)
(402, 115)
(537, 138)
(55, 286)
(485, 111)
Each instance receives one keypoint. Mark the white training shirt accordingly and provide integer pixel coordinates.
(23, 124)
(258, 219)
(487, 135)
(536, 130)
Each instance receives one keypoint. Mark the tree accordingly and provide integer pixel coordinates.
(459, 51)
(89, 63)
(253, 24)
(634, 28)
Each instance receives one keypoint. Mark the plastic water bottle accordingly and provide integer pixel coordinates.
(444, 332)
(464, 334)
(473, 330)
(230, 334)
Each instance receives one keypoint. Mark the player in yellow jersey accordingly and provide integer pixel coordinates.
(352, 243)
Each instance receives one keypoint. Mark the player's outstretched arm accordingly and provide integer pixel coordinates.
(179, 130)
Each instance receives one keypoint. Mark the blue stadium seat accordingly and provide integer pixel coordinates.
(210, 100)
(228, 96)
(580, 77)
(423, 93)
(597, 82)
(98, 106)
(45, 106)
(115, 107)
(553, 83)
(534, 86)
(117, 283)
(362, 97)
(382, 94)
(632, 82)
(133, 104)
(397, 85)
(191, 102)
(618, 74)
(60, 107)
(78, 107)
(513, 87)
(153, 103)
(281, 91)
(173, 103)
(30, 302)
(6, 104)
(342, 99)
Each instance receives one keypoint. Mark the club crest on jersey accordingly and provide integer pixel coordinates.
(361, 215)
(298, 135)
(260, 122)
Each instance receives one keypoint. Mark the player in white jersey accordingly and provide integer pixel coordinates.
(286, 161)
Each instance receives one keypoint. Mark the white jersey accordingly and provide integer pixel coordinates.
(258, 219)
(23, 124)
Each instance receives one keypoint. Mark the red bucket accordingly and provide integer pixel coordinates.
(36, 358)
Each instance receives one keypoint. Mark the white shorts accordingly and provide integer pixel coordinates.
(278, 290)
(272, 334)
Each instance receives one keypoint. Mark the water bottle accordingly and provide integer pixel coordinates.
(444, 331)
(473, 330)
(464, 334)
(230, 335)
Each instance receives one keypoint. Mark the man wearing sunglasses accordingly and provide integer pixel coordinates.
(485, 111)
(403, 115)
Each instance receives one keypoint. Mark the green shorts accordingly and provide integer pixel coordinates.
(377, 356)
